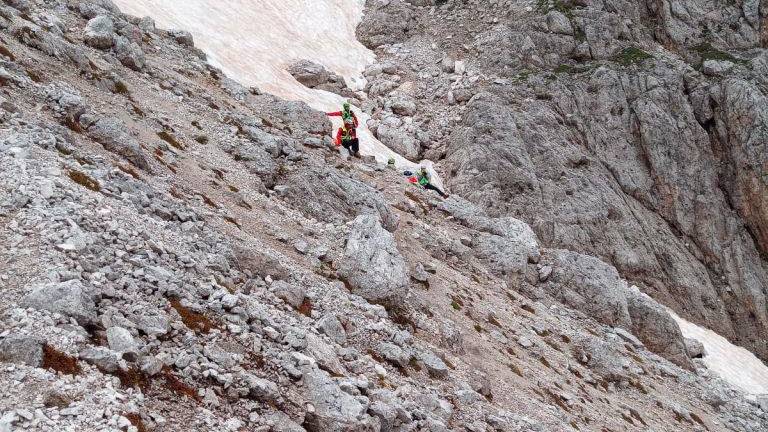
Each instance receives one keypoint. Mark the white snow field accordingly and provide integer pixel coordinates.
(736, 365)
(254, 41)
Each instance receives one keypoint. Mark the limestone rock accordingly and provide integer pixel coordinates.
(100, 32)
(22, 350)
(67, 298)
(372, 265)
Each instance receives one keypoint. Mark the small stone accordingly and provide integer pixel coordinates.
(695, 348)
(121, 341)
(544, 273)
(393, 354)
(524, 342)
(292, 294)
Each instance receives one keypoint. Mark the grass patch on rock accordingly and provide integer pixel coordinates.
(631, 55)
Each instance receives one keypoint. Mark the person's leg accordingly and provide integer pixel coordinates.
(430, 186)
(356, 146)
(347, 144)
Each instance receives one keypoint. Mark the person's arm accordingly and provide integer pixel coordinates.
(334, 114)
(354, 117)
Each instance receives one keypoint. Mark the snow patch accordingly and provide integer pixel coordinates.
(734, 364)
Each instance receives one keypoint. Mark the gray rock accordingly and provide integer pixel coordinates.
(590, 285)
(324, 354)
(282, 423)
(100, 32)
(182, 37)
(717, 67)
(327, 195)
(66, 298)
(435, 366)
(260, 262)
(121, 341)
(559, 23)
(544, 273)
(600, 357)
(401, 105)
(309, 73)
(372, 265)
(150, 365)
(24, 350)
(330, 325)
(334, 409)
(101, 357)
(154, 325)
(393, 354)
(628, 337)
(260, 388)
(129, 53)
(657, 329)
(290, 293)
(694, 348)
(112, 134)
(386, 25)
(92, 8)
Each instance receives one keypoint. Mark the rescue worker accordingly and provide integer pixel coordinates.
(346, 136)
(422, 178)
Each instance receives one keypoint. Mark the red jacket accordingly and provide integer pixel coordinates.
(340, 135)
(352, 132)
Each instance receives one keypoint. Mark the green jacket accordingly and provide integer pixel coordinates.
(423, 178)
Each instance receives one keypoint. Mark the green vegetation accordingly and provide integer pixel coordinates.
(631, 55)
(707, 52)
(564, 7)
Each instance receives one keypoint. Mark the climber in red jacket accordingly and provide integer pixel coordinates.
(347, 134)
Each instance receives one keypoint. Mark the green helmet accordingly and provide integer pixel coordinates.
(346, 106)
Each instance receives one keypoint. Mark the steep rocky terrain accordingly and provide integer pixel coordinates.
(632, 132)
(184, 253)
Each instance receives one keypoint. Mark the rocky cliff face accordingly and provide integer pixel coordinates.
(635, 133)
(184, 253)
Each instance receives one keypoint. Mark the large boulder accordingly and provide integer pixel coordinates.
(601, 357)
(507, 244)
(657, 329)
(23, 350)
(386, 23)
(372, 265)
(100, 32)
(399, 140)
(309, 73)
(260, 262)
(335, 410)
(588, 284)
(68, 298)
(129, 53)
(112, 134)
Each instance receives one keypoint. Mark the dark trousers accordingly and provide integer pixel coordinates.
(352, 145)
(434, 188)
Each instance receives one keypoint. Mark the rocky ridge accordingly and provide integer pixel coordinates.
(634, 133)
